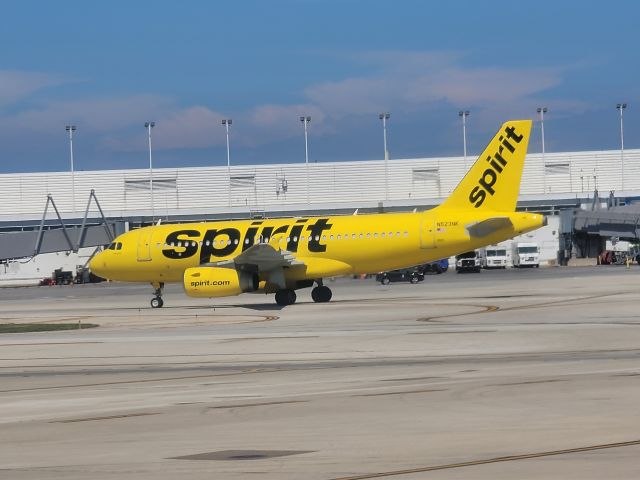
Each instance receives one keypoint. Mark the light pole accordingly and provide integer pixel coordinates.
(464, 114)
(149, 126)
(227, 123)
(71, 129)
(542, 111)
(621, 107)
(384, 117)
(305, 120)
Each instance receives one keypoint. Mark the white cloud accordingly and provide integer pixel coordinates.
(15, 85)
(192, 127)
(409, 81)
(397, 82)
(99, 115)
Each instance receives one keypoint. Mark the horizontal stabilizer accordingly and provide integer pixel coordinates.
(488, 226)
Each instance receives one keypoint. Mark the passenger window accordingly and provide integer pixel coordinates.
(382, 234)
(339, 237)
(324, 237)
(375, 235)
(368, 235)
(235, 241)
(353, 236)
(330, 237)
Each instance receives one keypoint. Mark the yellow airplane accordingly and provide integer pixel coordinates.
(219, 259)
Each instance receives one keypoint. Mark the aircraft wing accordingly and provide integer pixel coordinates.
(261, 257)
(488, 226)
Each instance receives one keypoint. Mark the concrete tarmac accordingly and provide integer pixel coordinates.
(528, 374)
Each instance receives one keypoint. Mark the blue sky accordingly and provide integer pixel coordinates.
(107, 67)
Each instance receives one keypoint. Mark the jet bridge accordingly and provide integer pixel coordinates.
(58, 237)
(584, 232)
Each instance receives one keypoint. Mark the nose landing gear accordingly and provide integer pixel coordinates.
(156, 302)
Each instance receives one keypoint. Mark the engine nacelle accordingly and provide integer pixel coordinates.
(207, 282)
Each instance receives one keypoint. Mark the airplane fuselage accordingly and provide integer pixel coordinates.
(328, 245)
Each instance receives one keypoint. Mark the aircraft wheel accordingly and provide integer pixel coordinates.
(285, 297)
(321, 294)
(156, 302)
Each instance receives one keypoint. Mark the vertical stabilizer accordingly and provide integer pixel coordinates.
(493, 182)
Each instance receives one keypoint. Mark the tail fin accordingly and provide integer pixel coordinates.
(493, 183)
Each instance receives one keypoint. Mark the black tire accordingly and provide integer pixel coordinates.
(156, 302)
(321, 294)
(385, 281)
(286, 297)
(414, 279)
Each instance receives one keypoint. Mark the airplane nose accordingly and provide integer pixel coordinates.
(98, 264)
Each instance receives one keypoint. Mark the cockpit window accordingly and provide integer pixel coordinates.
(119, 246)
(112, 246)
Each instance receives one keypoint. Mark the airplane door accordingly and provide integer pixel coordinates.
(144, 245)
(428, 232)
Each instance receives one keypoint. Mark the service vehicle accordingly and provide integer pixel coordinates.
(410, 275)
(438, 267)
(493, 256)
(468, 262)
(525, 254)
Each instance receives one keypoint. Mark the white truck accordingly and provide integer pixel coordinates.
(468, 262)
(525, 254)
(493, 256)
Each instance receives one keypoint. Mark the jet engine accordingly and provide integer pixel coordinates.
(207, 282)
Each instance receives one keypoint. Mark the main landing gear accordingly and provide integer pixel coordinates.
(285, 297)
(156, 302)
(321, 294)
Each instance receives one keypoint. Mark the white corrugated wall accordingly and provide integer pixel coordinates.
(261, 186)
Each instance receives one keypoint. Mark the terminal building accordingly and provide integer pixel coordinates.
(560, 185)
